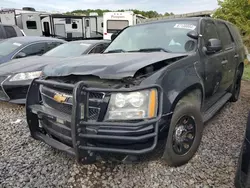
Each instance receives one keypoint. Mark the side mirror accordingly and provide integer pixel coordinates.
(214, 45)
(193, 34)
(113, 36)
(21, 55)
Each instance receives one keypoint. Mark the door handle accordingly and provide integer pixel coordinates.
(224, 62)
(236, 56)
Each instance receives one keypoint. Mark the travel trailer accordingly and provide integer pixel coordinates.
(116, 21)
(68, 27)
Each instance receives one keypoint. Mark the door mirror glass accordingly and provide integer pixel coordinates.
(214, 45)
(21, 55)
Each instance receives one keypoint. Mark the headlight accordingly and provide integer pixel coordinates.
(25, 76)
(133, 105)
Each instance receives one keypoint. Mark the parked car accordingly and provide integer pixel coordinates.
(16, 75)
(20, 47)
(149, 93)
(242, 178)
(9, 31)
(77, 48)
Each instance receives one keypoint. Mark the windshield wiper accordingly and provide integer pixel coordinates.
(115, 51)
(151, 50)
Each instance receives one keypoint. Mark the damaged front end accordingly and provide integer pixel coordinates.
(85, 117)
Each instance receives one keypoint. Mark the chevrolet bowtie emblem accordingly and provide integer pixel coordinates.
(60, 98)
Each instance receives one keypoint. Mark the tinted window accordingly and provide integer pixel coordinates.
(208, 31)
(2, 35)
(51, 45)
(237, 35)
(34, 49)
(31, 24)
(98, 49)
(225, 35)
(171, 36)
(69, 49)
(116, 25)
(10, 31)
(8, 46)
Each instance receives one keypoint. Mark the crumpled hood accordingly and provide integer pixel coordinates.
(108, 66)
(28, 64)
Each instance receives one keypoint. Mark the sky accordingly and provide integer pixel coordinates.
(161, 6)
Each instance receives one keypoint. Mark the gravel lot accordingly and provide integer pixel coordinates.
(25, 162)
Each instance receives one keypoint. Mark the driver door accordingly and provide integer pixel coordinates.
(215, 74)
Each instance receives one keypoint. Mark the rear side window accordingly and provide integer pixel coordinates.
(51, 45)
(236, 34)
(10, 31)
(225, 35)
(209, 31)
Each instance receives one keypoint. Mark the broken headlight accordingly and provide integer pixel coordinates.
(133, 105)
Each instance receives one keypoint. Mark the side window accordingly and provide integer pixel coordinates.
(2, 34)
(51, 45)
(35, 49)
(10, 31)
(31, 24)
(98, 49)
(225, 35)
(208, 31)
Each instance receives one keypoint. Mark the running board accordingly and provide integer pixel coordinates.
(212, 110)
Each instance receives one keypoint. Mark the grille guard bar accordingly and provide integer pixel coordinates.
(79, 125)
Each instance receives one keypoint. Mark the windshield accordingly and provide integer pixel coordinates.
(8, 46)
(70, 49)
(170, 36)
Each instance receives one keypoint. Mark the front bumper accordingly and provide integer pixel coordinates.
(14, 92)
(85, 138)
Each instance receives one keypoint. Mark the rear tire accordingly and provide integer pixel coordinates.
(236, 87)
(172, 155)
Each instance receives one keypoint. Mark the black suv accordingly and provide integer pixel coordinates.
(148, 94)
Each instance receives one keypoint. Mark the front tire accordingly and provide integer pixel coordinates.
(184, 136)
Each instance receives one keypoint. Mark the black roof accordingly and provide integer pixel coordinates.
(29, 39)
(171, 19)
(181, 19)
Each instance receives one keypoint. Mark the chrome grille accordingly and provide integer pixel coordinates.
(66, 107)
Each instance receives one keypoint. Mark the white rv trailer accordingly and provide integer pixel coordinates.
(116, 21)
(69, 27)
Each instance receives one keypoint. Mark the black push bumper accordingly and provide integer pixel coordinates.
(82, 137)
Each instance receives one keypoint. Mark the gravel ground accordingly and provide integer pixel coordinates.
(25, 162)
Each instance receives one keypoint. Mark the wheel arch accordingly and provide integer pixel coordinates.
(241, 67)
(195, 90)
